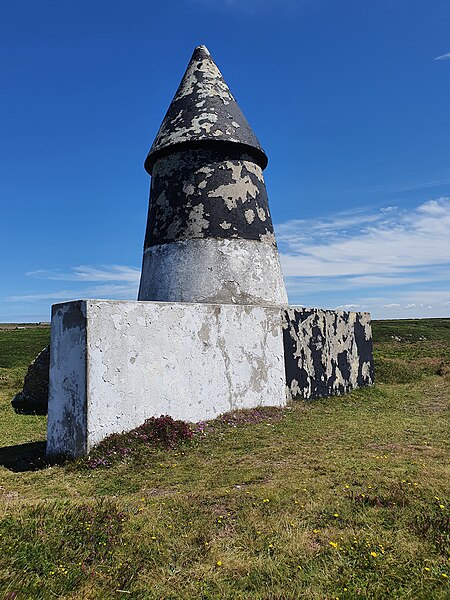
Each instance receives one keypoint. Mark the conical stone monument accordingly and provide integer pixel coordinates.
(211, 331)
(209, 234)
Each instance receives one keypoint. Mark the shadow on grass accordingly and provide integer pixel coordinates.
(24, 457)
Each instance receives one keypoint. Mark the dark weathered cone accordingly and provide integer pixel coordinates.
(204, 110)
(209, 235)
(33, 399)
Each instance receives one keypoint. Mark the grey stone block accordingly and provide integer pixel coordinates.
(33, 398)
(326, 352)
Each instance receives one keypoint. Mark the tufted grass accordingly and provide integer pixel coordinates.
(344, 497)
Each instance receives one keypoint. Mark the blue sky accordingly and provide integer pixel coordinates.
(350, 100)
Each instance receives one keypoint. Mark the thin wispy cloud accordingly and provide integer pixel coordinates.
(380, 243)
(115, 282)
(90, 273)
(403, 253)
(106, 292)
(391, 261)
(410, 187)
(445, 56)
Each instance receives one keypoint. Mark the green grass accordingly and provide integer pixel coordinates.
(18, 347)
(344, 497)
(412, 330)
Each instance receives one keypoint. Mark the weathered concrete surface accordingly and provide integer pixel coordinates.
(208, 193)
(67, 398)
(215, 271)
(204, 111)
(123, 362)
(209, 242)
(326, 352)
(33, 399)
(209, 235)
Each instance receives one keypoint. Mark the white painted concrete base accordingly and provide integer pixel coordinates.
(213, 270)
(114, 364)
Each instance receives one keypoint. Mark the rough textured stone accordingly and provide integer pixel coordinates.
(34, 396)
(326, 352)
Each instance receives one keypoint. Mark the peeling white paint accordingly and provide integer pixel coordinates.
(249, 215)
(213, 270)
(324, 347)
(143, 359)
(237, 190)
(66, 432)
(268, 238)
(261, 213)
(196, 223)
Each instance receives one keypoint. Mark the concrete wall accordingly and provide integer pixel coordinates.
(229, 271)
(326, 352)
(67, 395)
(115, 364)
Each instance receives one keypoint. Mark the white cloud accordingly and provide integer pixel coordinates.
(107, 292)
(445, 56)
(408, 187)
(391, 261)
(117, 282)
(401, 255)
(349, 307)
(369, 244)
(90, 273)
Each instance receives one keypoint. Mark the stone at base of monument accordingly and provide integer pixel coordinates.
(34, 395)
(115, 364)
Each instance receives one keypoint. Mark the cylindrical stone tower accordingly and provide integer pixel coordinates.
(209, 232)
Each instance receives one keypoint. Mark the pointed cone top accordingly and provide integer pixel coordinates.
(203, 110)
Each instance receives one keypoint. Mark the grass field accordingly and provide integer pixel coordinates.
(343, 498)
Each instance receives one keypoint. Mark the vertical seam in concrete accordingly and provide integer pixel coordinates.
(86, 305)
(226, 359)
(282, 317)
